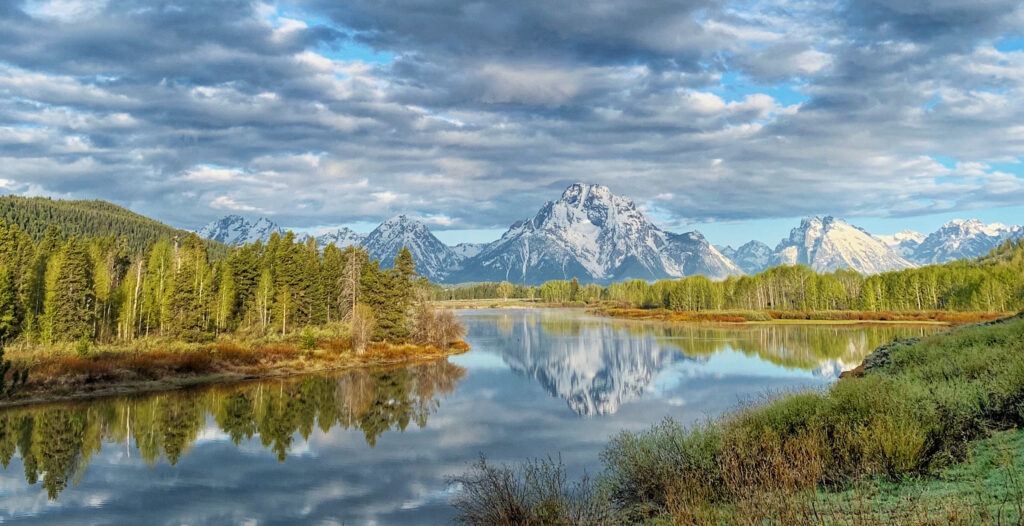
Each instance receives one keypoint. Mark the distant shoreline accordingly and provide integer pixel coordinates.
(745, 317)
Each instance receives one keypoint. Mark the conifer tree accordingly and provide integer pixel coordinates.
(69, 298)
(225, 307)
(8, 310)
(331, 283)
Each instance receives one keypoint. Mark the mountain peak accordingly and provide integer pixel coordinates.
(591, 233)
(236, 230)
(434, 259)
(963, 238)
(826, 243)
(581, 193)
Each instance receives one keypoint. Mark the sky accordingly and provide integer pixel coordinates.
(732, 117)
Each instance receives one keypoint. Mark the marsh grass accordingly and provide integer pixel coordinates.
(868, 450)
(537, 493)
(59, 371)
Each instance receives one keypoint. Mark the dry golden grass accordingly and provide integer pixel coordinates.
(57, 372)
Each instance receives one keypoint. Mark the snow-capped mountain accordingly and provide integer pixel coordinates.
(341, 237)
(826, 244)
(595, 368)
(237, 230)
(904, 242)
(594, 235)
(752, 257)
(591, 234)
(434, 259)
(959, 239)
(468, 250)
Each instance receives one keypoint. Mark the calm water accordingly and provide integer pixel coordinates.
(376, 447)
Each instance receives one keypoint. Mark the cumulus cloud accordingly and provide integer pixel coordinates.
(474, 114)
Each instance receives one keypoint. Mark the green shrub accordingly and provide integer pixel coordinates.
(642, 470)
(83, 345)
(308, 339)
(535, 494)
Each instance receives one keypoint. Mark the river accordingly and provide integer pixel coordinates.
(377, 447)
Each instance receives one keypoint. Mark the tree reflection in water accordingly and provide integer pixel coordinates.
(56, 443)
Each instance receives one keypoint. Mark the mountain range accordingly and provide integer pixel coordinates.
(596, 236)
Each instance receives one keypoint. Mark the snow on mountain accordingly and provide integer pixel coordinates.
(468, 250)
(236, 230)
(826, 244)
(341, 237)
(903, 242)
(752, 257)
(434, 259)
(595, 368)
(959, 239)
(594, 235)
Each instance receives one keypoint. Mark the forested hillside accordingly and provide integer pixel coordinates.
(35, 215)
(61, 289)
(993, 283)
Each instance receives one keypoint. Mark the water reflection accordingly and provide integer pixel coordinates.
(56, 443)
(596, 364)
(330, 450)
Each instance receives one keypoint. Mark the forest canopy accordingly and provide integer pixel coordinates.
(62, 289)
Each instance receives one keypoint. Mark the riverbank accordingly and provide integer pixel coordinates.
(167, 365)
(771, 316)
(928, 435)
(498, 303)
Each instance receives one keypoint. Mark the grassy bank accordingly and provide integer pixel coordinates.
(748, 316)
(916, 439)
(60, 372)
(498, 303)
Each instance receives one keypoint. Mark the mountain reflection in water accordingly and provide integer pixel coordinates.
(57, 443)
(596, 364)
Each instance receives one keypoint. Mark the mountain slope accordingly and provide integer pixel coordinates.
(591, 234)
(752, 257)
(341, 237)
(963, 239)
(904, 242)
(468, 250)
(89, 219)
(825, 244)
(434, 259)
(236, 230)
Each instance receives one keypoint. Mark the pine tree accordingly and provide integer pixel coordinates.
(69, 298)
(225, 307)
(8, 309)
(331, 283)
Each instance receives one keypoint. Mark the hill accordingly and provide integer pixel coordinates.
(94, 218)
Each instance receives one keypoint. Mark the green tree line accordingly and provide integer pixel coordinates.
(102, 289)
(993, 283)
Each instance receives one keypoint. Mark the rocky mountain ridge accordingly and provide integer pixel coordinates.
(596, 236)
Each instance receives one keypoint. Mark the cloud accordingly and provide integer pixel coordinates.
(480, 112)
(224, 202)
